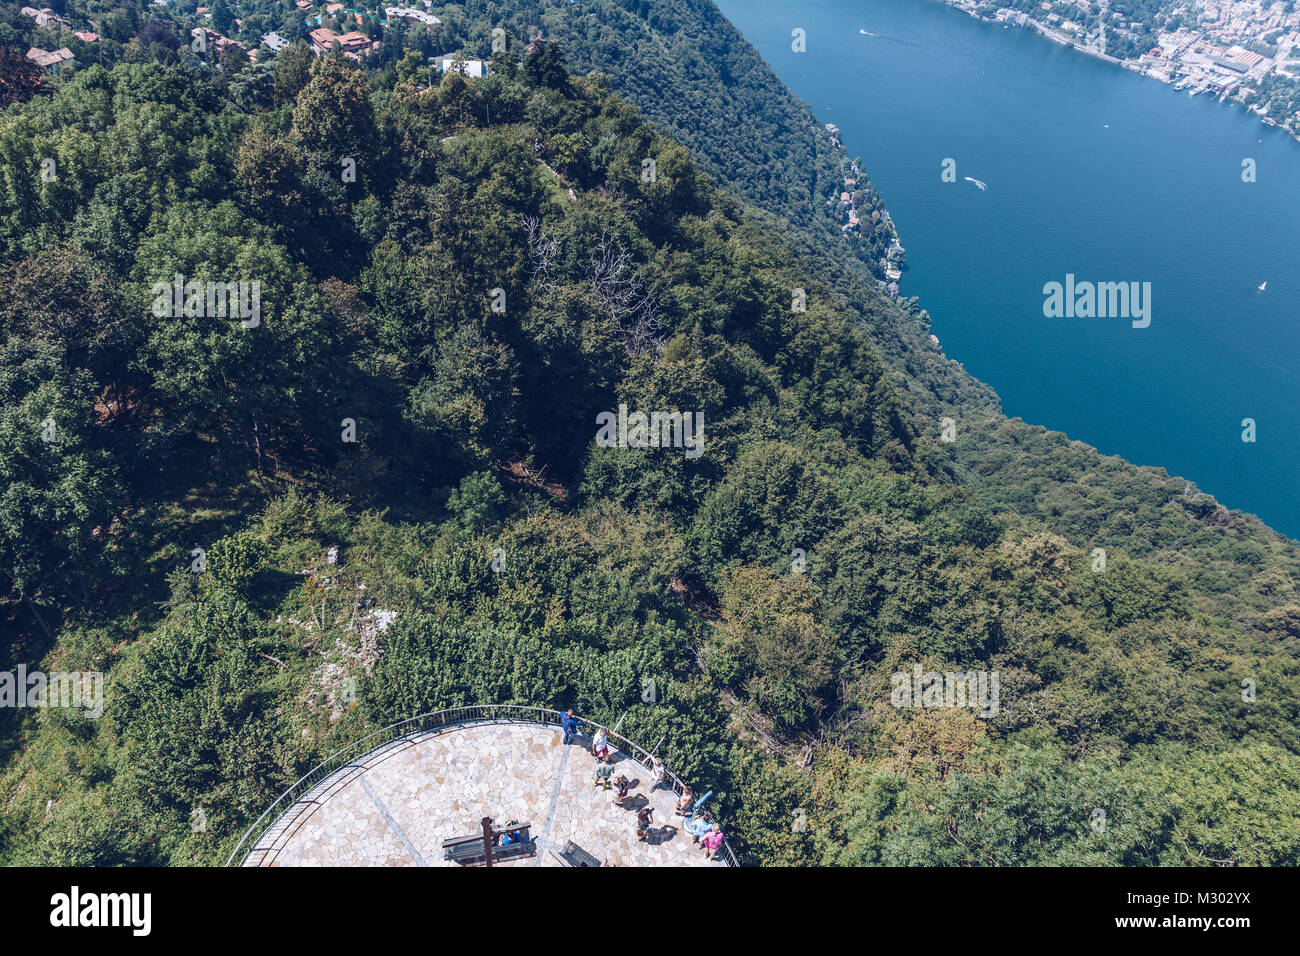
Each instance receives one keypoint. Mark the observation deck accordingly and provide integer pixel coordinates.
(394, 797)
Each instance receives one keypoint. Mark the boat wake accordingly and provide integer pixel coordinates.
(971, 179)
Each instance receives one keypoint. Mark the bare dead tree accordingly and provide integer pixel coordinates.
(543, 248)
(623, 295)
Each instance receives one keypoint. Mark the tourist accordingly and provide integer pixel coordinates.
(643, 821)
(600, 746)
(603, 771)
(623, 785)
(656, 773)
(570, 725)
(508, 836)
(698, 826)
(712, 842)
(686, 804)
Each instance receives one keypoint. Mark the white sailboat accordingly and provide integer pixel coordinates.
(1262, 285)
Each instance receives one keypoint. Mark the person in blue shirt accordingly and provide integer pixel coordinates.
(570, 725)
(699, 825)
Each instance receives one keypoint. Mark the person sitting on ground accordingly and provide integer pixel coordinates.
(686, 804)
(712, 842)
(600, 746)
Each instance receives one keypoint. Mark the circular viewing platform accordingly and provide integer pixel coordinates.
(398, 796)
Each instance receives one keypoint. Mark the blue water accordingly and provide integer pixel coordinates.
(1091, 170)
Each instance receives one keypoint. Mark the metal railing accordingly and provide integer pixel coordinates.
(442, 719)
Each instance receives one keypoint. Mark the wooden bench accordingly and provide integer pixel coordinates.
(468, 850)
(574, 855)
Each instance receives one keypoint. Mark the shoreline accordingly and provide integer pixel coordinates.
(1132, 66)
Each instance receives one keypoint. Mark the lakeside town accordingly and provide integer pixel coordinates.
(845, 207)
(327, 26)
(1242, 51)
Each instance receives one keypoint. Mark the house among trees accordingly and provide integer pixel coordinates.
(354, 44)
(322, 39)
(43, 17)
(50, 62)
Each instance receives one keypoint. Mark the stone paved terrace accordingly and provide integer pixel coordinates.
(396, 805)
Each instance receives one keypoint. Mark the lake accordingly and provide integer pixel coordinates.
(1091, 171)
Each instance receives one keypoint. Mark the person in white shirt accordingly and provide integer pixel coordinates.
(656, 773)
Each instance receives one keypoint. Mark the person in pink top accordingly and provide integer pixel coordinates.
(712, 842)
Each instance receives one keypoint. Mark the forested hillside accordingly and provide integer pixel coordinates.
(456, 276)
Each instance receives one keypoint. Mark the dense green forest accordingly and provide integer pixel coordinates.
(455, 277)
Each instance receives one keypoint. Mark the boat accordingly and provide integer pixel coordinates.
(1262, 284)
(865, 33)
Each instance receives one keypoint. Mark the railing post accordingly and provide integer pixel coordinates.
(487, 840)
